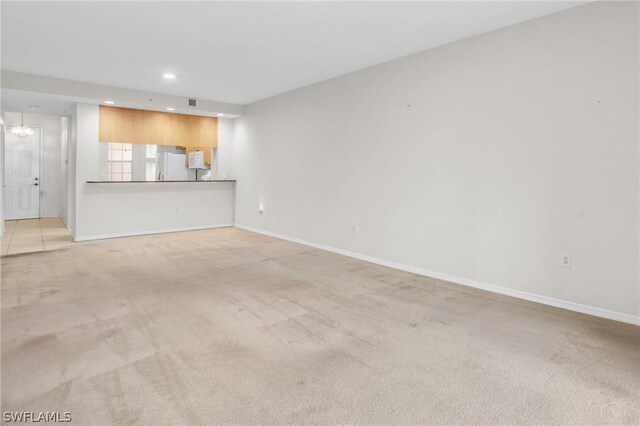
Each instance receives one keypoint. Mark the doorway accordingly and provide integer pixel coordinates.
(22, 175)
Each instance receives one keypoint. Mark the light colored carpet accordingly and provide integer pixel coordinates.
(227, 326)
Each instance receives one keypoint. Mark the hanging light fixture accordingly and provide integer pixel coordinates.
(21, 131)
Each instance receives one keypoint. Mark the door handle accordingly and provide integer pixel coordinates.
(35, 184)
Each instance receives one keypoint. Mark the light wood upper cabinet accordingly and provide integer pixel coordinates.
(126, 125)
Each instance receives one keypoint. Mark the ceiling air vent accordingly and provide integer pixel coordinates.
(192, 102)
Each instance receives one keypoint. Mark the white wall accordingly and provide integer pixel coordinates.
(222, 162)
(485, 159)
(71, 167)
(52, 173)
(1, 172)
(64, 170)
(108, 210)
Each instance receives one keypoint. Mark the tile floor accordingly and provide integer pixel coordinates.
(33, 235)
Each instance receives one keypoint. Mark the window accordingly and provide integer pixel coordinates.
(119, 162)
(152, 151)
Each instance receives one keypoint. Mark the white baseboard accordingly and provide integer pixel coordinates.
(576, 307)
(156, 231)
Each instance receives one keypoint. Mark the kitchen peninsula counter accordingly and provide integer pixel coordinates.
(125, 208)
(162, 181)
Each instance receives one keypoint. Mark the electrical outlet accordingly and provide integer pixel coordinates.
(354, 228)
(260, 208)
(566, 260)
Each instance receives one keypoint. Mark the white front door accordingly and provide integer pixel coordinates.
(21, 175)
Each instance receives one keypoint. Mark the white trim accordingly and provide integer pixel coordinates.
(576, 307)
(157, 231)
(41, 174)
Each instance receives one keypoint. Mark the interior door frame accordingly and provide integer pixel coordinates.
(6, 127)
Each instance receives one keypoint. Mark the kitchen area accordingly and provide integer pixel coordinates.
(143, 172)
(154, 146)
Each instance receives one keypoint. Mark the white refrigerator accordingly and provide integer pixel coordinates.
(173, 166)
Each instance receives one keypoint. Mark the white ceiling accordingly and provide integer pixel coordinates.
(34, 103)
(236, 52)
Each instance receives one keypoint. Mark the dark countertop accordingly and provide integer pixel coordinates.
(162, 181)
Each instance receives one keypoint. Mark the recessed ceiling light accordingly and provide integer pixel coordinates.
(170, 109)
(169, 76)
(33, 107)
(109, 102)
